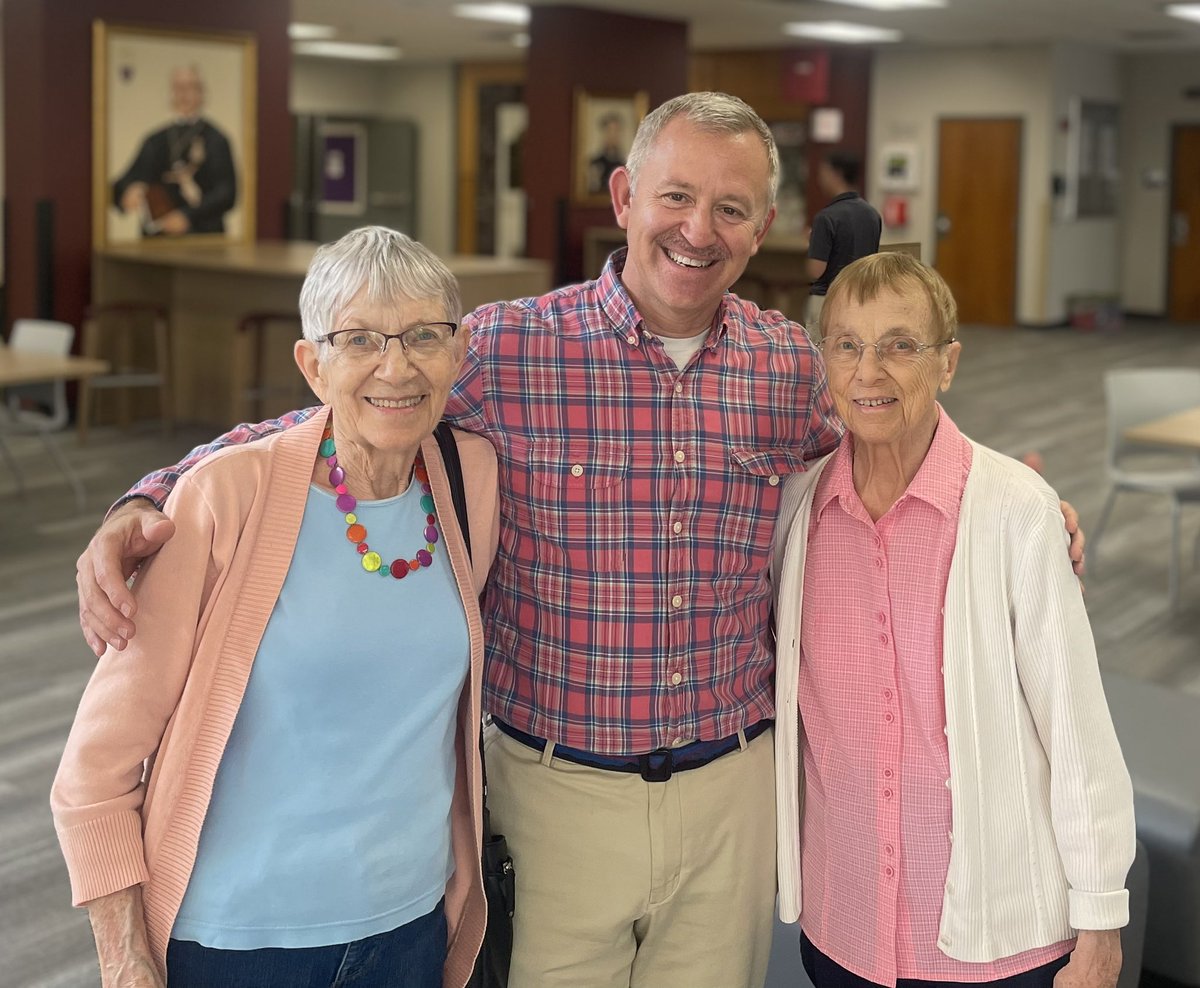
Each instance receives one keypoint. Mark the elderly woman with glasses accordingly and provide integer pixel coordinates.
(950, 786)
(278, 782)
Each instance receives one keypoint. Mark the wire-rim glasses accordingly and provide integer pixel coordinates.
(890, 350)
(427, 339)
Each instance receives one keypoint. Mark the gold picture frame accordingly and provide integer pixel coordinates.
(174, 123)
(605, 123)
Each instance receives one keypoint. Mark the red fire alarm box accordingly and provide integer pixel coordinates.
(895, 211)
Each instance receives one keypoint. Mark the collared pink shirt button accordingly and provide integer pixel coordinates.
(878, 563)
(889, 871)
(882, 617)
(888, 717)
(888, 850)
(883, 639)
(887, 694)
(887, 773)
(876, 541)
(887, 794)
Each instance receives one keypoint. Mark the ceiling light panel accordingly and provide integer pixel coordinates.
(841, 31)
(499, 13)
(1184, 11)
(310, 32)
(347, 49)
(891, 4)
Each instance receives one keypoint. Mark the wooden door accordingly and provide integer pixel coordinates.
(979, 167)
(1184, 294)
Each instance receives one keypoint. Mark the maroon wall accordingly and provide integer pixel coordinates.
(603, 53)
(47, 64)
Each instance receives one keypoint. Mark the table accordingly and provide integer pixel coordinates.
(1181, 429)
(18, 367)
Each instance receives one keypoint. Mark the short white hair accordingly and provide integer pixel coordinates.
(388, 264)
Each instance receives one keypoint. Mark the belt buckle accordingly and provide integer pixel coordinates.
(656, 765)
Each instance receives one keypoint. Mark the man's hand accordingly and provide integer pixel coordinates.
(106, 607)
(133, 197)
(175, 223)
(1033, 460)
(1095, 962)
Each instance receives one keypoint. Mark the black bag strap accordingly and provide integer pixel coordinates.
(458, 494)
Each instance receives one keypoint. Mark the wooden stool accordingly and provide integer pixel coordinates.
(272, 389)
(134, 338)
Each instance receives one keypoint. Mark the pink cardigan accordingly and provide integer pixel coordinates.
(133, 787)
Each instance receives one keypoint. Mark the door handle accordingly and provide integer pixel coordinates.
(1180, 229)
(942, 224)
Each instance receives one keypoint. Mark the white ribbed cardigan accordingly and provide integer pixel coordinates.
(1043, 830)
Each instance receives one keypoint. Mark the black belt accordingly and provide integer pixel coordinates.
(654, 766)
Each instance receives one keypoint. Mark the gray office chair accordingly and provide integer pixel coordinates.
(39, 409)
(1134, 397)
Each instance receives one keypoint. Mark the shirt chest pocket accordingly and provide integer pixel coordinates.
(579, 498)
(765, 469)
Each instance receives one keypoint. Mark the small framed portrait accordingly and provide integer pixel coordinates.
(604, 127)
(173, 136)
(343, 150)
(898, 168)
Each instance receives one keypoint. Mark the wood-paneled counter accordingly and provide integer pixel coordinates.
(207, 290)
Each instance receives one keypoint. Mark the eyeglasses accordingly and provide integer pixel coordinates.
(896, 350)
(427, 339)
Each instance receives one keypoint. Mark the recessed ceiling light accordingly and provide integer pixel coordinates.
(310, 32)
(891, 4)
(1184, 11)
(841, 31)
(347, 49)
(501, 13)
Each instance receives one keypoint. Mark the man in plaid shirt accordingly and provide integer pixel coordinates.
(643, 423)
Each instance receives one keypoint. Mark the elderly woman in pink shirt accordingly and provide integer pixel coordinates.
(967, 815)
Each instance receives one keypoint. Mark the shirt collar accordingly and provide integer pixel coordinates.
(623, 315)
(939, 481)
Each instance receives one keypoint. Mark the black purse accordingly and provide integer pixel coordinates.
(499, 878)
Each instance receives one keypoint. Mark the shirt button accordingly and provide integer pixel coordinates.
(876, 541)
(888, 717)
(678, 388)
(677, 527)
(680, 456)
(887, 694)
(949, 888)
(944, 941)
(882, 617)
(887, 773)
(950, 836)
(676, 678)
(883, 639)
(677, 601)
(888, 850)
(887, 794)
(889, 871)
(773, 480)
(942, 670)
(631, 339)
(946, 730)
(879, 564)
(947, 783)
(577, 470)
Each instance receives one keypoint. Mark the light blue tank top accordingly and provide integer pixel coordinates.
(330, 814)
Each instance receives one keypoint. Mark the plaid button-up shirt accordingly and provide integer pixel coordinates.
(629, 604)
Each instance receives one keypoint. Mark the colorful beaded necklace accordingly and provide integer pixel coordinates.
(372, 562)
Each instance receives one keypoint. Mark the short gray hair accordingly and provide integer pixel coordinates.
(388, 264)
(713, 113)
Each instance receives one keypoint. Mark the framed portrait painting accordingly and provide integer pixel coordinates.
(173, 136)
(604, 127)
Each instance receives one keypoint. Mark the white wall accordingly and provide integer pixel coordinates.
(424, 94)
(1083, 255)
(910, 91)
(1153, 85)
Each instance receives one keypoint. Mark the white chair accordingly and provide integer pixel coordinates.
(1134, 397)
(39, 409)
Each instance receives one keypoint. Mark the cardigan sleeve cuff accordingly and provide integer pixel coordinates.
(1098, 910)
(104, 855)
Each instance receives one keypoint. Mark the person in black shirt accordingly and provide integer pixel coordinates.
(845, 230)
(182, 179)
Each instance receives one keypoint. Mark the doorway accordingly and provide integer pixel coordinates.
(1184, 285)
(979, 191)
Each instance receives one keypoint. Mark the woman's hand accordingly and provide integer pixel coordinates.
(1095, 962)
(119, 927)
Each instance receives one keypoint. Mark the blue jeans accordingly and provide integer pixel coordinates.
(410, 956)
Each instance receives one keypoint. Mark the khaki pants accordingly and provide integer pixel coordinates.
(812, 316)
(623, 883)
